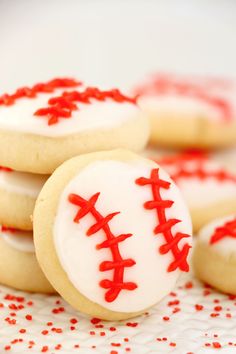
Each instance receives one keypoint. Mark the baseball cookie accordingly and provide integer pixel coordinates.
(190, 111)
(208, 188)
(111, 233)
(42, 126)
(18, 265)
(18, 193)
(214, 256)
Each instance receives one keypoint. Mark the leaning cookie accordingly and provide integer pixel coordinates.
(111, 233)
(208, 188)
(18, 265)
(18, 193)
(43, 126)
(187, 111)
(214, 256)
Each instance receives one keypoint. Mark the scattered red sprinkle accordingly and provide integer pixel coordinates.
(216, 345)
(199, 307)
(218, 308)
(95, 320)
(112, 329)
(22, 330)
(73, 320)
(7, 347)
(166, 318)
(172, 303)
(116, 344)
(132, 324)
(189, 285)
(206, 292)
(44, 332)
(176, 309)
(44, 349)
(28, 317)
(172, 344)
(215, 314)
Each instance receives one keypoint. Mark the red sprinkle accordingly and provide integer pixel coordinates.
(199, 307)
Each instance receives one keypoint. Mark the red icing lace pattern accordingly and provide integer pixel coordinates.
(63, 105)
(117, 264)
(6, 169)
(199, 171)
(166, 84)
(32, 92)
(226, 230)
(165, 225)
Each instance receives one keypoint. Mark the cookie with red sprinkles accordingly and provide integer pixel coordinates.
(214, 256)
(189, 111)
(43, 125)
(112, 233)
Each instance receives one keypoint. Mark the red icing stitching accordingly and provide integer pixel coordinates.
(226, 230)
(6, 169)
(63, 105)
(199, 171)
(165, 225)
(118, 264)
(166, 84)
(32, 92)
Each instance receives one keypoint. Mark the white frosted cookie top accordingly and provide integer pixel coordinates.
(68, 108)
(18, 239)
(220, 235)
(190, 96)
(28, 184)
(202, 181)
(116, 239)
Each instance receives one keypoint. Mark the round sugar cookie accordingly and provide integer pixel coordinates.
(214, 256)
(112, 233)
(208, 187)
(43, 126)
(188, 111)
(18, 265)
(18, 193)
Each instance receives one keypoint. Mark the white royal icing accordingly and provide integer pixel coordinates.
(20, 240)
(22, 183)
(115, 180)
(199, 192)
(97, 115)
(174, 103)
(226, 245)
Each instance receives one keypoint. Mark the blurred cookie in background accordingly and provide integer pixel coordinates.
(214, 256)
(189, 111)
(208, 187)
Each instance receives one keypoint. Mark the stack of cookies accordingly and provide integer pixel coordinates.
(193, 137)
(41, 127)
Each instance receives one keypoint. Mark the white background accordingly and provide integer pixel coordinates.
(114, 43)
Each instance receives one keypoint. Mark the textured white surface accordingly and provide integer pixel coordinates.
(189, 329)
